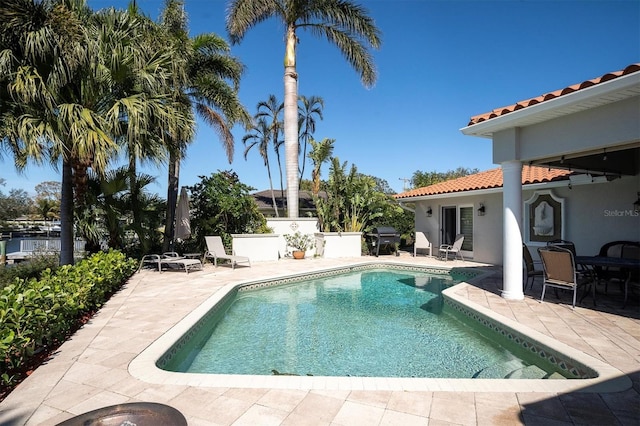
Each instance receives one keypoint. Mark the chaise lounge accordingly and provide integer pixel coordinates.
(170, 260)
(215, 250)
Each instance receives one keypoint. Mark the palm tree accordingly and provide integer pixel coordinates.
(341, 22)
(46, 208)
(110, 214)
(46, 58)
(272, 109)
(76, 88)
(320, 153)
(261, 137)
(142, 75)
(310, 107)
(206, 83)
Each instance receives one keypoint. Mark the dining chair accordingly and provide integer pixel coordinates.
(531, 270)
(559, 271)
(623, 249)
(570, 245)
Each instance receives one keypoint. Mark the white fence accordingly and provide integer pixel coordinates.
(30, 246)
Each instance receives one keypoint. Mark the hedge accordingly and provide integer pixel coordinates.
(38, 313)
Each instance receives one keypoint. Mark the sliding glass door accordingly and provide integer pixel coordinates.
(458, 220)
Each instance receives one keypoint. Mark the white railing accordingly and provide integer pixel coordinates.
(29, 246)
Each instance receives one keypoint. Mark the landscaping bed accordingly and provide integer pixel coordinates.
(38, 314)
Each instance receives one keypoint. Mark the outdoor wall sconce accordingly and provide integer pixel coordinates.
(429, 211)
(481, 210)
(636, 204)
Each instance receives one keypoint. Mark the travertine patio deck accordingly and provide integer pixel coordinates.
(90, 371)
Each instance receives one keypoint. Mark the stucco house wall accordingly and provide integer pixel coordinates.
(602, 212)
(595, 213)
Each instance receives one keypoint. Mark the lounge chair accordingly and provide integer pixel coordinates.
(215, 250)
(560, 271)
(421, 243)
(170, 260)
(454, 248)
(531, 271)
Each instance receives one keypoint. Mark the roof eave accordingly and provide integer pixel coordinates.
(573, 181)
(600, 94)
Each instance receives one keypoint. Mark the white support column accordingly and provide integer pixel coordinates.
(512, 234)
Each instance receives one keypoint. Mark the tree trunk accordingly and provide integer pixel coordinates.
(291, 122)
(172, 201)
(273, 196)
(304, 160)
(291, 138)
(66, 215)
(275, 142)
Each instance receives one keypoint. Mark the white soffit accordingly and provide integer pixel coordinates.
(600, 94)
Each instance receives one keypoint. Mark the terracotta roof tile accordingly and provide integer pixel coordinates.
(487, 180)
(552, 95)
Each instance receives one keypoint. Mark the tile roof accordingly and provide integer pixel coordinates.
(552, 95)
(487, 180)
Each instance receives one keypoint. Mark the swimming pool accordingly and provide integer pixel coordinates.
(597, 376)
(367, 322)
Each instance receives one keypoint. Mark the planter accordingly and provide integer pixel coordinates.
(299, 243)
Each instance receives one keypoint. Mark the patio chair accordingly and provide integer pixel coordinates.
(623, 249)
(569, 245)
(559, 267)
(531, 270)
(169, 260)
(215, 250)
(454, 248)
(421, 243)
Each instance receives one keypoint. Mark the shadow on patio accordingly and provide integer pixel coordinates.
(583, 407)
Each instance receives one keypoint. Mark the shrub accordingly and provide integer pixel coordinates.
(38, 313)
(298, 241)
(31, 269)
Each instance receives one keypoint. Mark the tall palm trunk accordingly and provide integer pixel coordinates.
(284, 199)
(136, 207)
(291, 138)
(273, 196)
(172, 200)
(291, 122)
(277, 150)
(66, 214)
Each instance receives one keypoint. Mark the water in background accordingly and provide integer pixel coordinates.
(13, 245)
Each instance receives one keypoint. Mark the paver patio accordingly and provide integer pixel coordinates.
(90, 370)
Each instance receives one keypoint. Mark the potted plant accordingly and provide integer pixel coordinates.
(300, 243)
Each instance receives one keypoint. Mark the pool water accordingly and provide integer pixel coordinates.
(372, 323)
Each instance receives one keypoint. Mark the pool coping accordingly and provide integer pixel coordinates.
(143, 367)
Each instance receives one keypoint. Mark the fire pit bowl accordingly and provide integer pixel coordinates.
(135, 413)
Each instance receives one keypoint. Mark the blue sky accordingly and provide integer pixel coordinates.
(440, 63)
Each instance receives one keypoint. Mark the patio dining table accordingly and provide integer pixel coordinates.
(628, 265)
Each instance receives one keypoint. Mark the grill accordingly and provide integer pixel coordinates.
(383, 236)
